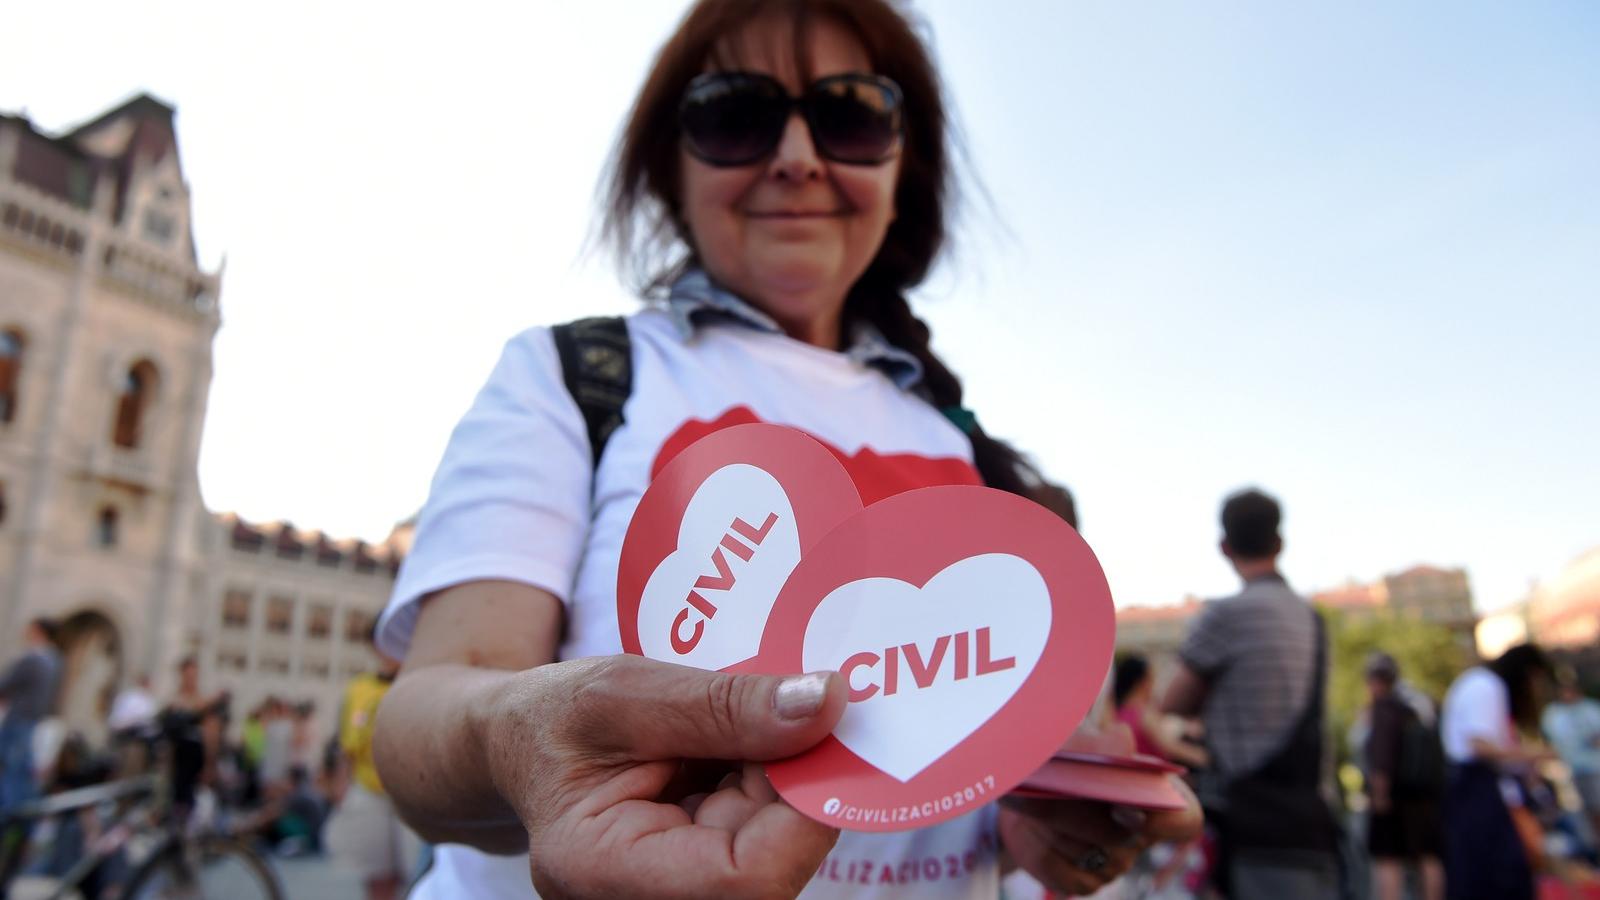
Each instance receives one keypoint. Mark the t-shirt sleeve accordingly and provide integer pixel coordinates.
(1206, 650)
(510, 499)
(1480, 711)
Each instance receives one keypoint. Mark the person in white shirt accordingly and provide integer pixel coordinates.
(133, 724)
(134, 710)
(1572, 725)
(793, 157)
(1483, 711)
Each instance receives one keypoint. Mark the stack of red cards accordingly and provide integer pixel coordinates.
(1104, 767)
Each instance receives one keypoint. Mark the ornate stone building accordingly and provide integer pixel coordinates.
(106, 328)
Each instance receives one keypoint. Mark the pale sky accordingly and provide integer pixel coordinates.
(1348, 252)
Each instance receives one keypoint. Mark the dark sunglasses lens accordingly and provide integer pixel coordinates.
(855, 119)
(733, 120)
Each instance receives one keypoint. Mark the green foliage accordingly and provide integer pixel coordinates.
(1429, 655)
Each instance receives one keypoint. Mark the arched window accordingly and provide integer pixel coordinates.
(106, 528)
(11, 347)
(138, 389)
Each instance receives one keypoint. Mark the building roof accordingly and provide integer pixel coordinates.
(1422, 571)
(1189, 607)
(284, 535)
(1351, 595)
(141, 105)
(67, 166)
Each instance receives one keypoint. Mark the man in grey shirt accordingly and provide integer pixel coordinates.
(29, 689)
(1253, 668)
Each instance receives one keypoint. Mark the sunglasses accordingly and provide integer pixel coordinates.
(737, 118)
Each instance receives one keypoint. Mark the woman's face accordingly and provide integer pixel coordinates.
(793, 232)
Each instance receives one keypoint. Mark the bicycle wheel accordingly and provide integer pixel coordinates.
(211, 868)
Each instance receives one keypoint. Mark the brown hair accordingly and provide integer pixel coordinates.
(644, 222)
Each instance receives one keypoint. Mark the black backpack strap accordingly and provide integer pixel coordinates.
(597, 365)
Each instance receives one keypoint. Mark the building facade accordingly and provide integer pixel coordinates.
(1565, 612)
(106, 328)
(1441, 596)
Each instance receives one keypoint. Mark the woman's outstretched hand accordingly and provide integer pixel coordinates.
(611, 765)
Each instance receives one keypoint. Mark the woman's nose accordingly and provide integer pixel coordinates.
(796, 158)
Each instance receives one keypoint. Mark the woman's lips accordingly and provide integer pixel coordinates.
(795, 214)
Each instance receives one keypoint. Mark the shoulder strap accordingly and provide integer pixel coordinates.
(597, 366)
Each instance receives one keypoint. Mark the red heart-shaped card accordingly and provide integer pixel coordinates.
(1066, 779)
(974, 629)
(715, 538)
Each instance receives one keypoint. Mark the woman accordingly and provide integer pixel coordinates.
(192, 722)
(800, 226)
(1487, 855)
(1171, 738)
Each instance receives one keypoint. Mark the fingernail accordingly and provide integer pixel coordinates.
(1129, 818)
(801, 696)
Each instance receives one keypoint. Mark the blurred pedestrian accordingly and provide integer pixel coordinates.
(133, 724)
(192, 723)
(305, 751)
(1492, 845)
(1133, 682)
(1572, 725)
(1254, 668)
(135, 708)
(277, 746)
(365, 833)
(29, 687)
(252, 747)
(1405, 776)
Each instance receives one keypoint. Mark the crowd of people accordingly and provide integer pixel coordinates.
(1459, 797)
(275, 780)
(782, 184)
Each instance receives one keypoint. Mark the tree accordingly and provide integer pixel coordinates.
(1429, 656)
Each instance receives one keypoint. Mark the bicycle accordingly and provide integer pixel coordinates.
(166, 859)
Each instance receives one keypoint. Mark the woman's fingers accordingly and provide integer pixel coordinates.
(1087, 820)
(614, 804)
(1060, 861)
(636, 709)
(738, 799)
(738, 844)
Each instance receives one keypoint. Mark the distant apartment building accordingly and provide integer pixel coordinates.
(1432, 594)
(288, 611)
(1565, 612)
(1441, 596)
(1155, 630)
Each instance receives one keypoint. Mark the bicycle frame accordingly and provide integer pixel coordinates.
(132, 794)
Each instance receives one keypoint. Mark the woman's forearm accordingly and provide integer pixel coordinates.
(431, 753)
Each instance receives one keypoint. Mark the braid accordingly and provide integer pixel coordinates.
(998, 463)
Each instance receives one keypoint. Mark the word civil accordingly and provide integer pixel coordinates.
(722, 581)
(969, 660)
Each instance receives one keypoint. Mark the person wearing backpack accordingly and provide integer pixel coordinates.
(782, 182)
(1405, 779)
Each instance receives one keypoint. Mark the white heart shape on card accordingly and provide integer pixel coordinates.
(927, 667)
(707, 602)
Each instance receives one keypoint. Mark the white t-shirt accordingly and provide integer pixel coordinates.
(1476, 706)
(134, 707)
(1572, 728)
(511, 500)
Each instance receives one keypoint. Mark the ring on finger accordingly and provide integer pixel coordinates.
(1093, 859)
